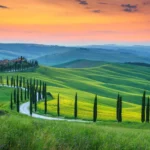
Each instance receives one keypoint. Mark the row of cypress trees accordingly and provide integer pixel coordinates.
(27, 89)
(76, 107)
(118, 108)
(16, 98)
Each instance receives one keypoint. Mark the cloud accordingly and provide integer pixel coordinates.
(82, 2)
(96, 11)
(102, 3)
(129, 7)
(146, 3)
(3, 7)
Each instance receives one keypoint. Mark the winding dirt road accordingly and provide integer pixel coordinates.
(24, 109)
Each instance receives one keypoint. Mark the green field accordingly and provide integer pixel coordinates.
(20, 132)
(106, 81)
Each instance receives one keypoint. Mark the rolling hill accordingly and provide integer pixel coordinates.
(107, 81)
(20, 132)
(82, 63)
(55, 55)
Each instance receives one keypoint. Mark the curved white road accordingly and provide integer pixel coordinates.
(24, 109)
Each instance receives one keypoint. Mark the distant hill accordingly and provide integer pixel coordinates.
(94, 54)
(82, 63)
(55, 55)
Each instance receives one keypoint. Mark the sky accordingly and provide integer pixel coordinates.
(75, 22)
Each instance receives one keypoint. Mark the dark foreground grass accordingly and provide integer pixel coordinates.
(18, 132)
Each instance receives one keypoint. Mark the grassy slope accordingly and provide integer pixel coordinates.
(106, 81)
(19, 132)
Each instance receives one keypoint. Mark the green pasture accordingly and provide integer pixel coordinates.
(106, 81)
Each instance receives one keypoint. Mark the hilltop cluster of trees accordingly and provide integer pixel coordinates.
(18, 64)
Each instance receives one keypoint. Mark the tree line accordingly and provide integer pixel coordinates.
(18, 64)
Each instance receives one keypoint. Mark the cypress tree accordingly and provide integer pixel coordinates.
(143, 107)
(33, 95)
(28, 90)
(7, 81)
(35, 101)
(18, 100)
(43, 91)
(25, 94)
(120, 110)
(15, 96)
(11, 81)
(40, 91)
(34, 82)
(17, 81)
(76, 106)
(31, 99)
(58, 105)
(11, 102)
(20, 82)
(117, 108)
(37, 83)
(21, 95)
(14, 83)
(95, 110)
(147, 111)
(45, 102)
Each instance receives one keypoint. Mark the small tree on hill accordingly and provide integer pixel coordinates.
(31, 99)
(95, 110)
(25, 94)
(21, 95)
(15, 99)
(35, 96)
(119, 109)
(143, 107)
(147, 111)
(40, 91)
(58, 105)
(14, 83)
(7, 81)
(76, 106)
(28, 90)
(18, 100)
(45, 97)
(17, 81)
(43, 91)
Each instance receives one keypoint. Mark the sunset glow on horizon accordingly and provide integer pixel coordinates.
(75, 22)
